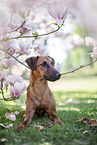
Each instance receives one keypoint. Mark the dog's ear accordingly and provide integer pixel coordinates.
(32, 62)
(53, 61)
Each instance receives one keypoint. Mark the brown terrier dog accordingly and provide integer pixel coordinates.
(39, 97)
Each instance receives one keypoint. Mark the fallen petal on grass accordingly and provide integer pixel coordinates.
(16, 112)
(39, 127)
(85, 132)
(10, 116)
(3, 140)
(10, 125)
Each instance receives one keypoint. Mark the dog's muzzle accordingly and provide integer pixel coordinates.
(53, 76)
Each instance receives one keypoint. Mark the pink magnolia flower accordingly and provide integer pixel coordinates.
(59, 13)
(23, 29)
(19, 89)
(27, 27)
(12, 79)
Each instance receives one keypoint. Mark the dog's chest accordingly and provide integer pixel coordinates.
(42, 96)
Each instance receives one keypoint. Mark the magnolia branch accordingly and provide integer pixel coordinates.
(14, 58)
(15, 29)
(72, 71)
(5, 99)
(36, 35)
(13, 98)
(82, 66)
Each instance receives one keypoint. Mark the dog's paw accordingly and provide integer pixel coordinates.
(58, 122)
(20, 127)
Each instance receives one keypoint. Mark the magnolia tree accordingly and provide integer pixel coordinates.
(19, 36)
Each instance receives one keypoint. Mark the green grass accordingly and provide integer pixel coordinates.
(83, 104)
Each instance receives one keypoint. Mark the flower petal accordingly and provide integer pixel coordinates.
(19, 89)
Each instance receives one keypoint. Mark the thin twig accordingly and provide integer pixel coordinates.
(15, 29)
(37, 35)
(14, 58)
(82, 66)
(2, 90)
(6, 99)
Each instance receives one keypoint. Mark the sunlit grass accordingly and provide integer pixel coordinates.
(71, 105)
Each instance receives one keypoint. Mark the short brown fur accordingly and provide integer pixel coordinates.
(39, 97)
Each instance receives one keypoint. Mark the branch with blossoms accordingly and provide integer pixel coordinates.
(23, 28)
(13, 83)
(15, 29)
(82, 66)
(16, 87)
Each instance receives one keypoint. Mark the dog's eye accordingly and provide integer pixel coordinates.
(43, 64)
(53, 63)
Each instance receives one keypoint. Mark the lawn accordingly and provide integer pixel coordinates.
(73, 103)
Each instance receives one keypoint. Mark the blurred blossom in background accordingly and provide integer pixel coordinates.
(69, 46)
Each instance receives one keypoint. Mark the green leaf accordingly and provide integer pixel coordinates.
(36, 33)
(54, 23)
(28, 13)
(21, 14)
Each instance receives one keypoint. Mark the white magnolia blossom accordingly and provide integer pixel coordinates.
(9, 62)
(14, 5)
(77, 40)
(9, 46)
(16, 20)
(4, 16)
(11, 79)
(27, 26)
(94, 53)
(89, 41)
(58, 67)
(59, 13)
(19, 89)
(3, 75)
(24, 46)
(10, 88)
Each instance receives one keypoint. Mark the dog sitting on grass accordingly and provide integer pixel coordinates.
(39, 97)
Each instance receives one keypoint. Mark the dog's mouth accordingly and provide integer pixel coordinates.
(53, 77)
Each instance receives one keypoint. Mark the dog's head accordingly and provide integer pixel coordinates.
(44, 66)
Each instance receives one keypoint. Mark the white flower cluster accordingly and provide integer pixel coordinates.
(14, 83)
(16, 87)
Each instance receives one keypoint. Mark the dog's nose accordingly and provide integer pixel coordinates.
(58, 75)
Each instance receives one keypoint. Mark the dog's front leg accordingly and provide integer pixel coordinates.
(54, 117)
(30, 110)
